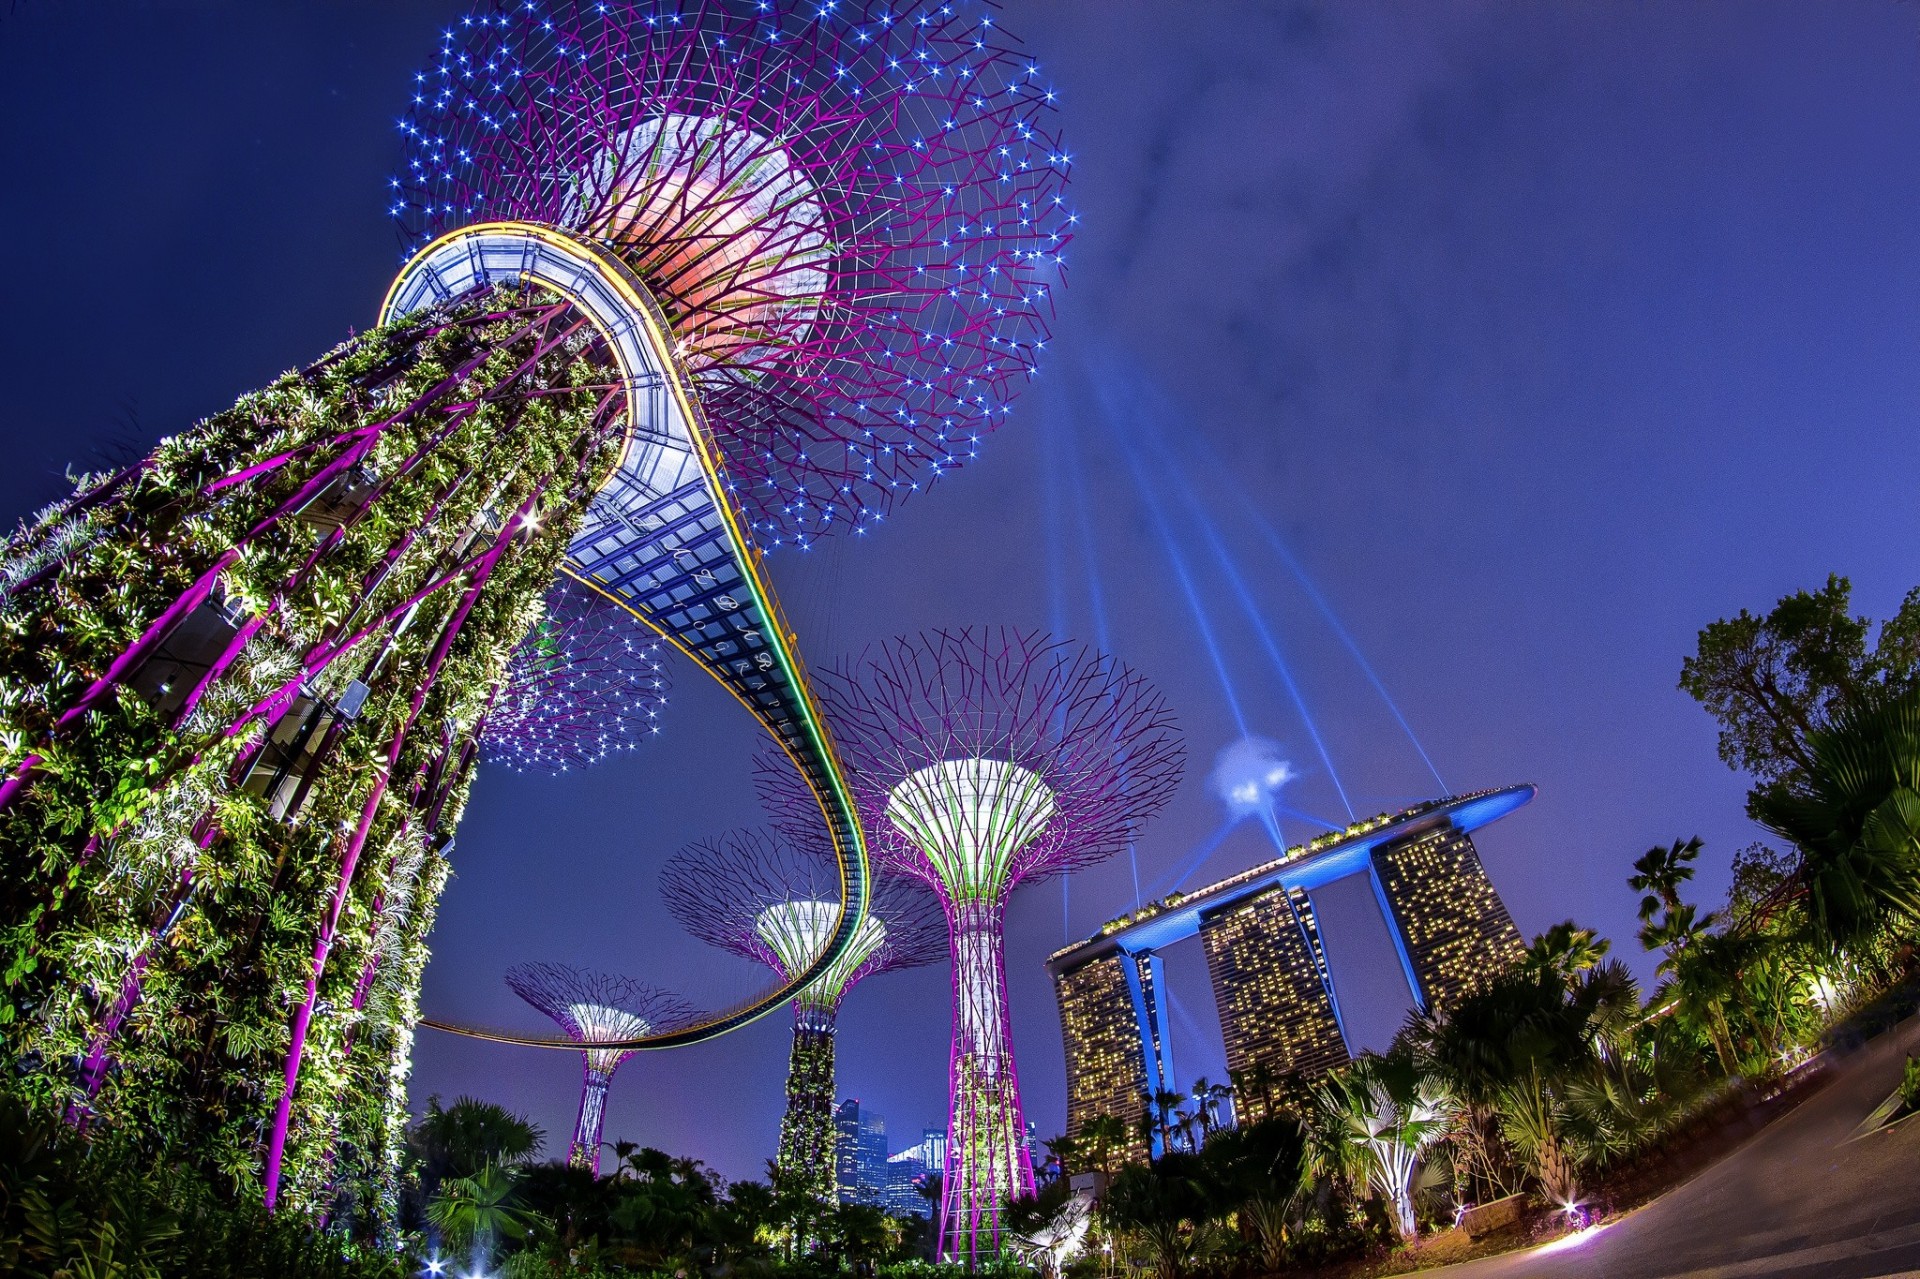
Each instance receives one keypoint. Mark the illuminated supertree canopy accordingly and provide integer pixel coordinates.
(851, 213)
(587, 680)
(599, 1011)
(774, 902)
(687, 282)
(983, 759)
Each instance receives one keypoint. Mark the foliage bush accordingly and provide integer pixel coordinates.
(73, 1207)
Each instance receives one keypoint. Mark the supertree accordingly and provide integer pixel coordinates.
(983, 759)
(603, 1012)
(690, 280)
(584, 683)
(772, 901)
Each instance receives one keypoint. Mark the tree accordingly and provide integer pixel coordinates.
(1063, 1150)
(1257, 1173)
(1164, 1206)
(1772, 682)
(480, 1210)
(1255, 1084)
(1853, 816)
(1512, 1053)
(1103, 1140)
(1207, 1099)
(1659, 873)
(468, 1136)
(1566, 951)
(1375, 1120)
(1163, 1103)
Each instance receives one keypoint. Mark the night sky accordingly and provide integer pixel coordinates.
(1535, 336)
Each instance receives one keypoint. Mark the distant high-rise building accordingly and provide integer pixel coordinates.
(860, 1154)
(906, 1173)
(1271, 979)
(1455, 931)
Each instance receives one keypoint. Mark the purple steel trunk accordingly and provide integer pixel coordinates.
(987, 1157)
(585, 1152)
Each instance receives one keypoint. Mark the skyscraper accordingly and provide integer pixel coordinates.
(860, 1154)
(1272, 982)
(1271, 986)
(1455, 931)
(1107, 1061)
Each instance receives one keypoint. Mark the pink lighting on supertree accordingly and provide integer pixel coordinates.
(852, 214)
(775, 902)
(587, 681)
(983, 759)
(596, 1008)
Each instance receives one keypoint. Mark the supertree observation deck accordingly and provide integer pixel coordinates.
(985, 759)
(688, 282)
(584, 683)
(776, 903)
(601, 1012)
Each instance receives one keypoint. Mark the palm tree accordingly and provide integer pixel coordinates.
(1376, 1119)
(1533, 1119)
(1854, 818)
(1103, 1139)
(476, 1212)
(1706, 977)
(1188, 1121)
(1062, 1149)
(1659, 874)
(1165, 1208)
(1163, 1102)
(1259, 1080)
(468, 1136)
(1217, 1095)
(1567, 951)
(1203, 1103)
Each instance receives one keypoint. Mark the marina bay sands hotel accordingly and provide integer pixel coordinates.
(1271, 982)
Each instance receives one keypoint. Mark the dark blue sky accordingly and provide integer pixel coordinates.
(1542, 334)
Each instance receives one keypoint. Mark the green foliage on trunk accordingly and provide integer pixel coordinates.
(137, 873)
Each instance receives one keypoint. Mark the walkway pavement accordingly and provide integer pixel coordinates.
(1801, 1199)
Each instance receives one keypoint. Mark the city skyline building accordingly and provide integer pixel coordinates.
(726, 284)
(599, 1011)
(983, 759)
(859, 1154)
(1273, 986)
(771, 901)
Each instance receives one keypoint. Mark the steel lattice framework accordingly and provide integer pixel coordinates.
(584, 683)
(851, 213)
(601, 1011)
(774, 902)
(984, 759)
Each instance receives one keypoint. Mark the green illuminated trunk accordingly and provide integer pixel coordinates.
(806, 1129)
(239, 689)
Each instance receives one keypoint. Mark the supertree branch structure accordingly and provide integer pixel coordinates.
(984, 759)
(689, 281)
(584, 683)
(775, 902)
(601, 1012)
(851, 214)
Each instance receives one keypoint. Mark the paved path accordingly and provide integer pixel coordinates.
(1798, 1200)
